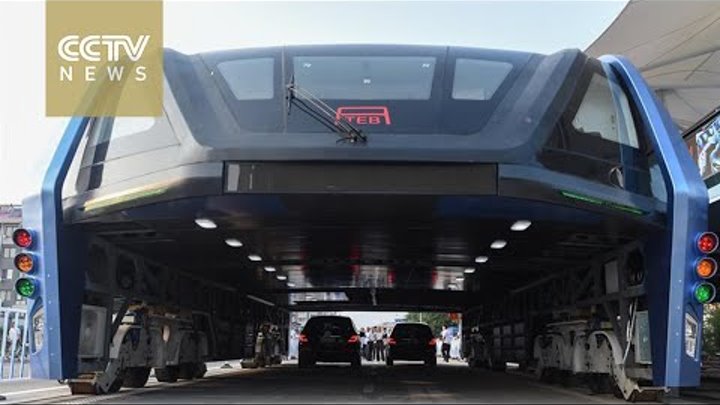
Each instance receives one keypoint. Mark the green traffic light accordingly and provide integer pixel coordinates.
(25, 287)
(704, 293)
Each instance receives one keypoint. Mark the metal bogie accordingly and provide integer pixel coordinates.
(144, 341)
(572, 348)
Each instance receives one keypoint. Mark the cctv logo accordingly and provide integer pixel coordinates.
(111, 49)
(71, 47)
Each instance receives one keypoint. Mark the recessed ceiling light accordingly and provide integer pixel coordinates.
(205, 223)
(470, 270)
(232, 242)
(255, 258)
(281, 277)
(481, 259)
(498, 244)
(460, 279)
(521, 225)
(269, 269)
(291, 285)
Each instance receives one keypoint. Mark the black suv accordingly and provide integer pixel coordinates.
(329, 339)
(411, 341)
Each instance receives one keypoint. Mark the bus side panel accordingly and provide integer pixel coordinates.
(56, 307)
(672, 297)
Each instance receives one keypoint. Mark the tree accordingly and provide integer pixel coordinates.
(711, 330)
(435, 320)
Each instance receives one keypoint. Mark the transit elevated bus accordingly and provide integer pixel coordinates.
(549, 198)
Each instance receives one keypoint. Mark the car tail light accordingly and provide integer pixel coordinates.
(392, 341)
(354, 339)
(22, 238)
(707, 242)
(302, 338)
(433, 342)
(24, 262)
(706, 267)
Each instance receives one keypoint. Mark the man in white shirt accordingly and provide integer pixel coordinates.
(447, 337)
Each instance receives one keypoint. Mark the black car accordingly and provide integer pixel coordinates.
(411, 341)
(329, 339)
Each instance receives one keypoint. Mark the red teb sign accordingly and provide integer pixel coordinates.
(364, 115)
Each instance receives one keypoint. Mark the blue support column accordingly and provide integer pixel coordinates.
(671, 276)
(61, 267)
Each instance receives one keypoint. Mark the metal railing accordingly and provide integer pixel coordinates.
(14, 349)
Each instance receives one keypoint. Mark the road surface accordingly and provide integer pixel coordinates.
(449, 383)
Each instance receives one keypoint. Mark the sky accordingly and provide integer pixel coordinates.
(28, 138)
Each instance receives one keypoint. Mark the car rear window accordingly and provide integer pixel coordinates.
(329, 326)
(412, 331)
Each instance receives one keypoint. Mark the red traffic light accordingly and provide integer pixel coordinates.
(22, 238)
(707, 242)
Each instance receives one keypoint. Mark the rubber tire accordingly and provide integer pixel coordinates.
(136, 377)
(389, 362)
(355, 362)
(304, 361)
(167, 374)
(497, 365)
(187, 371)
(200, 370)
(548, 376)
(432, 362)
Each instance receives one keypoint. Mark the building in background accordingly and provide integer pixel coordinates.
(10, 220)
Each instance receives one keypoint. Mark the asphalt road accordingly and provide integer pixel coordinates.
(407, 383)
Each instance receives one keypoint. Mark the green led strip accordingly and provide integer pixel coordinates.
(600, 202)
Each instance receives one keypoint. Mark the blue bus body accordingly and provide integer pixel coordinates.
(62, 246)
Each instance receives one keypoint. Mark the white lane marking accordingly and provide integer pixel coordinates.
(35, 390)
(92, 399)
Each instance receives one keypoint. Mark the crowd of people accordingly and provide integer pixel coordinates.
(373, 342)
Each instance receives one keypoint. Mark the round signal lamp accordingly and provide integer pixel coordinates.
(704, 293)
(26, 287)
(22, 238)
(706, 267)
(707, 242)
(24, 262)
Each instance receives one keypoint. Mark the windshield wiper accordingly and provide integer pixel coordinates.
(323, 113)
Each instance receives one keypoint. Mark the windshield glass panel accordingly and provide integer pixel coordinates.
(249, 79)
(366, 77)
(477, 79)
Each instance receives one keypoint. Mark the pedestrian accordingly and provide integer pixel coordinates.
(447, 340)
(294, 344)
(379, 345)
(363, 343)
(371, 344)
(12, 339)
(455, 347)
